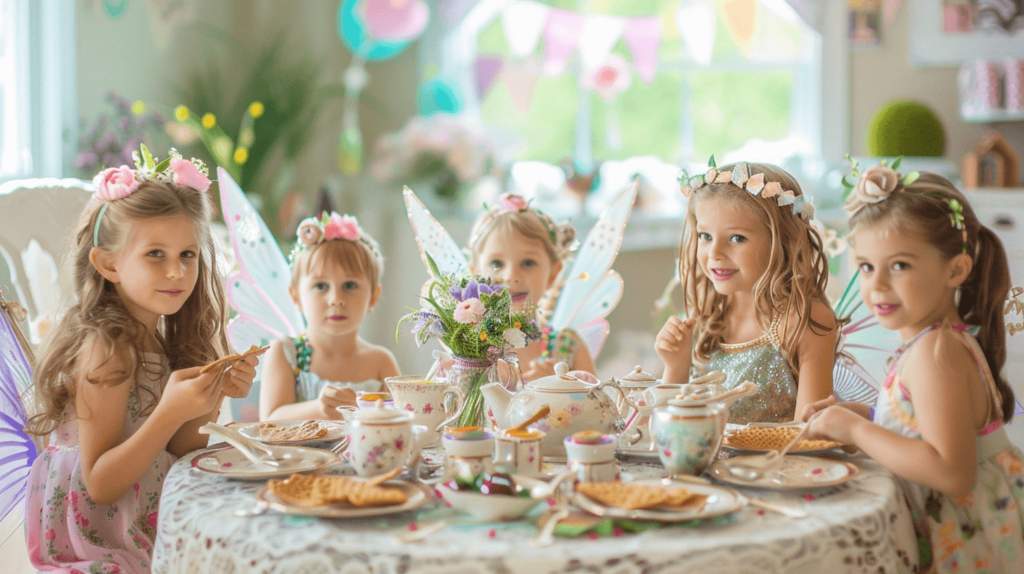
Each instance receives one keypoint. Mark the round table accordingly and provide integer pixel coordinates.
(861, 526)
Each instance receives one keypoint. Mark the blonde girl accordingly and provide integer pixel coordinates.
(932, 272)
(117, 387)
(520, 246)
(754, 275)
(336, 272)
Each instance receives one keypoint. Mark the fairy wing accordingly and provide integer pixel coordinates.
(592, 290)
(258, 291)
(17, 451)
(433, 239)
(864, 349)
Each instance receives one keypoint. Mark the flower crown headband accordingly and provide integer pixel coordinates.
(876, 184)
(116, 183)
(511, 203)
(313, 231)
(755, 184)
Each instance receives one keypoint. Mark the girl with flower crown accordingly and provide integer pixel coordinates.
(932, 272)
(520, 246)
(754, 275)
(336, 272)
(118, 387)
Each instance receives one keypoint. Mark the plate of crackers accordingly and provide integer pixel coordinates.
(761, 439)
(658, 500)
(227, 461)
(341, 496)
(297, 433)
(794, 473)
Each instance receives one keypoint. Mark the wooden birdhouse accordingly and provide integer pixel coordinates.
(992, 163)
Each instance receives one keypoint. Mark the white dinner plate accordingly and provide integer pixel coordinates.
(228, 462)
(720, 501)
(335, 432)
(795, 472)
(416, 496)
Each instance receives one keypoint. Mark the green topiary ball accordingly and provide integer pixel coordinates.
(905, 128)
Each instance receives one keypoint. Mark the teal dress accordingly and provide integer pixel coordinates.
(763, 362)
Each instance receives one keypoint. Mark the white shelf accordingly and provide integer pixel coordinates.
(994, 116)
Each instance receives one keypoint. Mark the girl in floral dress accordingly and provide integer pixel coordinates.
(118, 388)
(932, 272)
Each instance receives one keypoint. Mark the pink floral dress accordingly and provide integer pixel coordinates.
(984, 531)
(64, 529)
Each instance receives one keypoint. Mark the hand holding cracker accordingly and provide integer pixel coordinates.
(241, 372)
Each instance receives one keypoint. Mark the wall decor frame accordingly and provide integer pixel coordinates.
(929, 45)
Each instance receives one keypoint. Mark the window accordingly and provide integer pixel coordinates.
(766, 90)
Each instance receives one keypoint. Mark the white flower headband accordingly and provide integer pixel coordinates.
(313, 231)
(116, 183)
(753, 184)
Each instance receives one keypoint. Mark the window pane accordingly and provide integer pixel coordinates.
(729, 108)
(13, 87)
(548, 128)
(648, 119)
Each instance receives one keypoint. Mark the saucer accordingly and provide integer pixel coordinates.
(228, 462)
(794, 473)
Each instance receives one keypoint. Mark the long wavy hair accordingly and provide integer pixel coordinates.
(193, 336)
(796, 275)
(922, 209)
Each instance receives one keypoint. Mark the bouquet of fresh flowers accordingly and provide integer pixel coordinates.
(473, 317)
(440, 149)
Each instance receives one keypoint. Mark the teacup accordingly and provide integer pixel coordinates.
(366, 399)
(518, 452)
(469, 451)
(381, 439)
(591, 455)
(426, 401)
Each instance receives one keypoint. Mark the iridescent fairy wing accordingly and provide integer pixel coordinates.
(258, 291)
(433, 239)
(17, 451)
(864, 349)
(592, 290)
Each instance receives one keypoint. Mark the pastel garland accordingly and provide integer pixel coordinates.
(313, 231)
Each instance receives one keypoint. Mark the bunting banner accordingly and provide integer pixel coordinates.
(523, 23)
(643, 37)
(487, 69)
(599, 36)
(561, 36)
(520, 79)
(696, 24)
(740, 18)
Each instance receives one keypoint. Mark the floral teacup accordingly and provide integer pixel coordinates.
(381, 439)
(518, 452)
(426, 401)
(470, 451)
(591, 455)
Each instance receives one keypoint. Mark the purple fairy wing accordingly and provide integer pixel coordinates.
(17, 451)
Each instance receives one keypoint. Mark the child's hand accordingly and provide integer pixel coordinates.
(808, 411)
(238, 379)
(674, 342)
(190, 395)
(538, 368)
(332, 397)
(834, 423)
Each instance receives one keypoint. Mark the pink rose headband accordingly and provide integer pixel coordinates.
(313, 231)
(511, 203)
(116, 183)
(753, 184)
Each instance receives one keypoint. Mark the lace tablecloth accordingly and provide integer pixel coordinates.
(852, 528)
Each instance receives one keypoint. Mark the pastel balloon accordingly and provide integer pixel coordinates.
(353, 32)
(396, 20)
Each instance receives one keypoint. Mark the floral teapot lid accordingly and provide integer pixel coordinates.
(378, 413)
(637, 379)
(560, 381)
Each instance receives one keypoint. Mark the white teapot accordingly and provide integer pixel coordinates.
(575, 406)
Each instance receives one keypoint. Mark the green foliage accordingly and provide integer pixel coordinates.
(905, 128)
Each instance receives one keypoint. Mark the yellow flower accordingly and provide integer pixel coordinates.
(483, 336)
(181, 113)
(209, 120)
(584, 276)
(256, 109)
(241, 155)
(517, 325)
(138, 107)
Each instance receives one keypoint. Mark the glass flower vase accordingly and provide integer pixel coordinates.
(469, 374)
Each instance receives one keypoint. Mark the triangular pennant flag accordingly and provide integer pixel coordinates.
(561, 35)
(740, 17)
(643, 36)
(696, 25)
(453, 11)
(523, 23)
(890, 9)
(520, 79)
(487, 68)
(600, 33)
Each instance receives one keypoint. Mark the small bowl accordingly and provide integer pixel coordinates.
(488, 507)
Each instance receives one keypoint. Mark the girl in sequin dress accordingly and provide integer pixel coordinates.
(932, 272)
(118, 387)
(522, 247)
(336, 272)
(754, 274)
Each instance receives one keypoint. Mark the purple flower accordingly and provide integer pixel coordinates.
(473, 290)
(426, 325)
(86, 159)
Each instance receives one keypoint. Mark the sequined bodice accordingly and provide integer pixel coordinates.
(763, 362)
